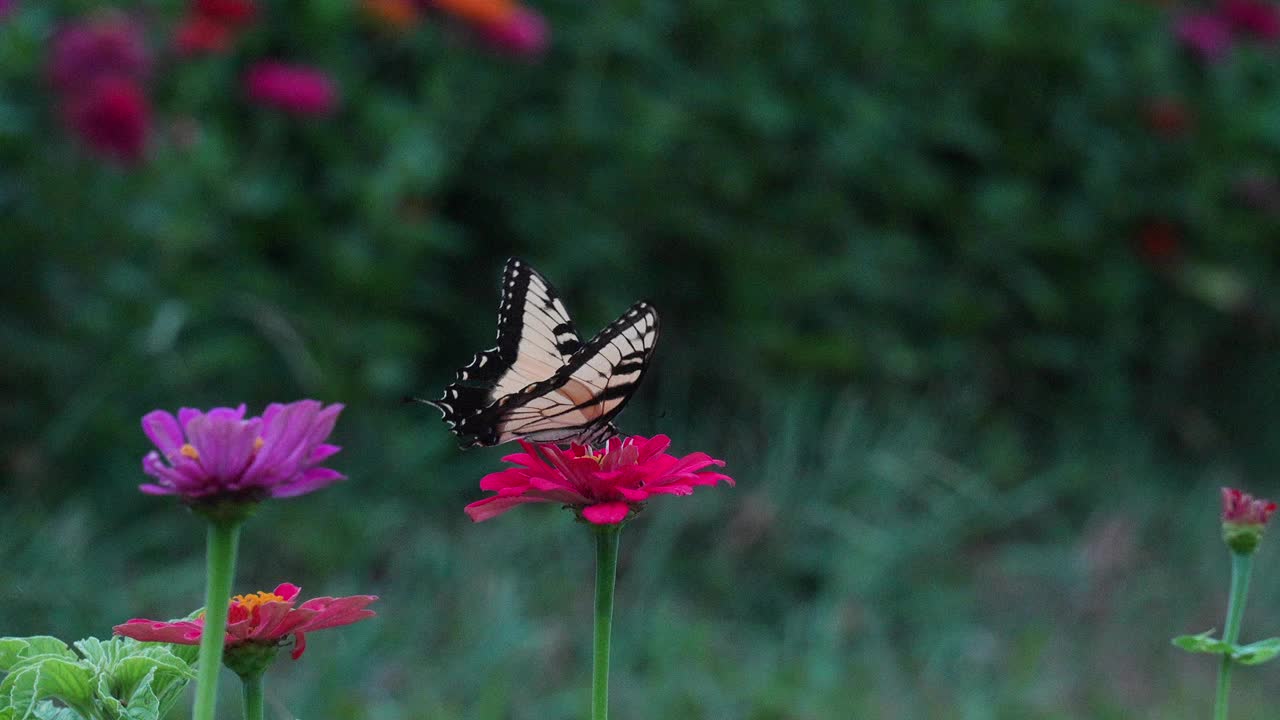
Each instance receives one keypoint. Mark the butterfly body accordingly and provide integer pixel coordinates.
(542, 382)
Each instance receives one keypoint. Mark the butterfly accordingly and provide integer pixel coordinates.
(542, 382)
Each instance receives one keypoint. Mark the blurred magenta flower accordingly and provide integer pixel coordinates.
(219, 455)
(1207, 34)
(523, 32)
(259, 619)
(1242, 508)
(293, 88)
(1253, 17)
(7, 7)
(604, 487)
(110, 46)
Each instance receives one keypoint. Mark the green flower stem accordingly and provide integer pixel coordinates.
(224, 537)
(252, 697)
(606, 574)
(1241, 566)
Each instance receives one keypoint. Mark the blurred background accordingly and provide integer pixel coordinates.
(978, 301)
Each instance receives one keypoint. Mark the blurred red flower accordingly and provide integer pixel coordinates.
(1242, 508)
(603, 486)
(293, 88)
(1159, 242)
(1168, 116)
(261, 619)
(113, 117)
(228, 12)
(1206, 34)
(1253, 17)
(198, 34)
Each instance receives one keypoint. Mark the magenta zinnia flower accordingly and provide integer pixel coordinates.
(293, 88)
(219, 455)
(113, 117)
(83, 54)
(523, 33)
(1253, 17)
(260, 619)
(605, 487)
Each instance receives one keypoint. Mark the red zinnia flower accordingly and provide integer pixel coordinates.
(292, 88)
(603, 486)
(1168, 116)
(1242, 508)
(1252, 17)
(260, 619)
(113, 117)
(1159, 242)
(1207, 34)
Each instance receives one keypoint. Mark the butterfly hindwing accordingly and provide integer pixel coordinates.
(541, 381)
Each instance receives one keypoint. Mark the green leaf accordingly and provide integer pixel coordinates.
(14, 650)
(52, 678)
(1203, 643)
(1258, 652)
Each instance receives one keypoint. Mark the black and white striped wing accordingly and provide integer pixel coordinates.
(578, 402)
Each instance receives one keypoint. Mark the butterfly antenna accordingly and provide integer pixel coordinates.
(411, 399)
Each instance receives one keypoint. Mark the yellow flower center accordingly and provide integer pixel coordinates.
(190, 451)
(258, 442)
(249, 602)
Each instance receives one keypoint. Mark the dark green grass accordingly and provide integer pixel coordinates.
(863, 567)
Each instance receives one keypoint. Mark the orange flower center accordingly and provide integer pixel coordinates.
(190, 451)
(249, 602)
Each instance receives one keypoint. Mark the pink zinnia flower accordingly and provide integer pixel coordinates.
(603, 486)
(1241, 508)
(85, 53)
(1253, 17)
(524, 32)
(1206, 34)
(292, 88)
(260, 619)
(113, 117)
(220, 455)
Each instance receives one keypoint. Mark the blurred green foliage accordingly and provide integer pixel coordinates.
(903, 256)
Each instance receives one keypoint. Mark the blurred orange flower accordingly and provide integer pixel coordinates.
(398, 14)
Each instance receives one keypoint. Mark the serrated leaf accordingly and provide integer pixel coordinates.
(1203, 643)
(1258, 652)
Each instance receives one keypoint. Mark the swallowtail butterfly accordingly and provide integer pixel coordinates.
(542, 382)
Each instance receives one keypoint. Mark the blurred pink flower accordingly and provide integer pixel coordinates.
(293, 88)
(107, 47)
(219, 455)
(1207, 34)
(1253, 17)
(113, 117)
(603, 486)
(261, 619)
(7, 7)
(523, 32)
(1242, 508)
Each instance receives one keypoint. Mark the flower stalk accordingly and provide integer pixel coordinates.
(252, 685)
(1241, 568)
(223, 542)
(607, 537)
